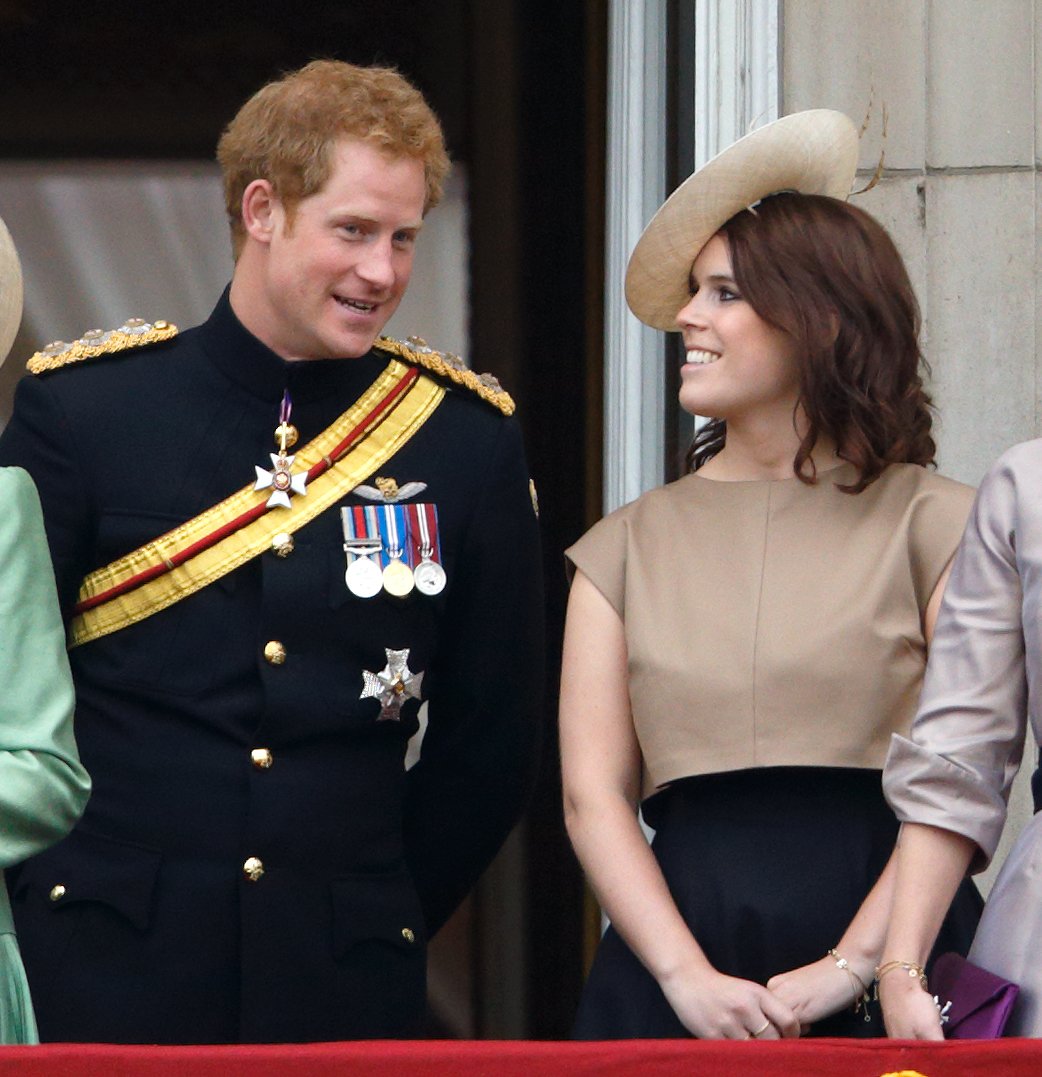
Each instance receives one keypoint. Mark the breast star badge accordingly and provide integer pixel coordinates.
(393, 685)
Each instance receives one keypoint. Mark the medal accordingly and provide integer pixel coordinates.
(393, 685)
(397, 576)
(363, 577)
(280, 479)
(429, 575)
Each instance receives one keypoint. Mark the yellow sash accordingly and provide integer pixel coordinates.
(169, 581)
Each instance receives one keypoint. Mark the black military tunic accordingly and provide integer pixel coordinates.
(255, 863)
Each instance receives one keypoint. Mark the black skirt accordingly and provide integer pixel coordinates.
(768, 867)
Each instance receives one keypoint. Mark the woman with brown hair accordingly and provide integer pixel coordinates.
(741, 643)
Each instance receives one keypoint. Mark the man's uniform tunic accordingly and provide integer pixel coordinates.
(255, 863)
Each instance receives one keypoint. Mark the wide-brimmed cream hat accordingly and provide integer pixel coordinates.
(813, 152)
(10, 291)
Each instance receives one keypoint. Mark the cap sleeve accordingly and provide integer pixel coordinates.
(938, 519)
(600, 555)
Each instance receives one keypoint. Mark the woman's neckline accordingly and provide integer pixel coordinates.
(821, 472)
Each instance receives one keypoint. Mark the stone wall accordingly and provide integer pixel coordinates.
(960, 84)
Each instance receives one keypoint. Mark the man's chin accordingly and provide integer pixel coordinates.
(350, 345)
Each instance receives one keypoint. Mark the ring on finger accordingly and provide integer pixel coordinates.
(760, 1031)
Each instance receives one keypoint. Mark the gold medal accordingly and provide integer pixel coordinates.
(397, 578)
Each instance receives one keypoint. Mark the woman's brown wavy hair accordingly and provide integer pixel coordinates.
(827, 273)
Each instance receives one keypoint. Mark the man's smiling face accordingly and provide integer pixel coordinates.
(338, 265)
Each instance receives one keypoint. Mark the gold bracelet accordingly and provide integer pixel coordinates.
(914, 971)
(861, 997)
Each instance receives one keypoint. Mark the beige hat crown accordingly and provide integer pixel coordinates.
(10, 291)
(813, 152)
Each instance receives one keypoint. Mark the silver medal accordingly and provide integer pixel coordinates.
(429, 577)
(363, 577)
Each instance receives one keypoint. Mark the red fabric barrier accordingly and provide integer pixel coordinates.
(430, 1058)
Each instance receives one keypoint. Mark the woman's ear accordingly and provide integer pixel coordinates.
(261, 210)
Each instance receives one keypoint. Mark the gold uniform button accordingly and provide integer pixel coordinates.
(57, 892)
(253, 869)
(274, 653)
(261, 758)
(408, 935)
(282, 544)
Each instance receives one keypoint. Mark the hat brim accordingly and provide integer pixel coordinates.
(10, 291)
(813, 152)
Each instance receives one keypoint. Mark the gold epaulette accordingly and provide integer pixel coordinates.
(133, 333)
(419, 353)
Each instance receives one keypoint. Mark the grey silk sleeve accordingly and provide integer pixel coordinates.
(955, 769)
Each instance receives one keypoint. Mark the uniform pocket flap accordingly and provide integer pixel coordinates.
(376, 906)
(90, 867)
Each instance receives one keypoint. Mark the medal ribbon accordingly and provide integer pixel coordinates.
(373, 529)
(358, 532)
(241, 527)
(394, 533)
(423, 532)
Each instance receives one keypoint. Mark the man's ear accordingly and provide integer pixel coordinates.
(261, 211)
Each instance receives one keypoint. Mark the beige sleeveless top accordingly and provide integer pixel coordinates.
(772, 623)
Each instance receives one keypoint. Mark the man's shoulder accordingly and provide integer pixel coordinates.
(449, 369)
(134, 335)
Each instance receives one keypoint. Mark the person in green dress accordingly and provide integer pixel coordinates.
(43, 787)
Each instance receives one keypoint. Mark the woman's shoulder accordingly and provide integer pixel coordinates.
(650, 504)
(906, 483)
(1021, 461)
(641, 521)
(17, 484)
(1009, 488)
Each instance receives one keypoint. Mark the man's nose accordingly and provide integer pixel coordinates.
(377, 265)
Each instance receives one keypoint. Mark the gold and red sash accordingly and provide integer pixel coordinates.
(242, 526)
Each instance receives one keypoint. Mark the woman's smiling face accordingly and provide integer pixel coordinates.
(738, 366)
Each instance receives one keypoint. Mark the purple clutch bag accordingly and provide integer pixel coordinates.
(981, 1002)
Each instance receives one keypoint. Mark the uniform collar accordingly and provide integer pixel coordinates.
(243, 359)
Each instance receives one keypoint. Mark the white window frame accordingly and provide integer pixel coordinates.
(737, 87)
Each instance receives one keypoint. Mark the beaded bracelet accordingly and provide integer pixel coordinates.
(861, 997)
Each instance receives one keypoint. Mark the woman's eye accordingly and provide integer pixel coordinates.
(727, 295)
